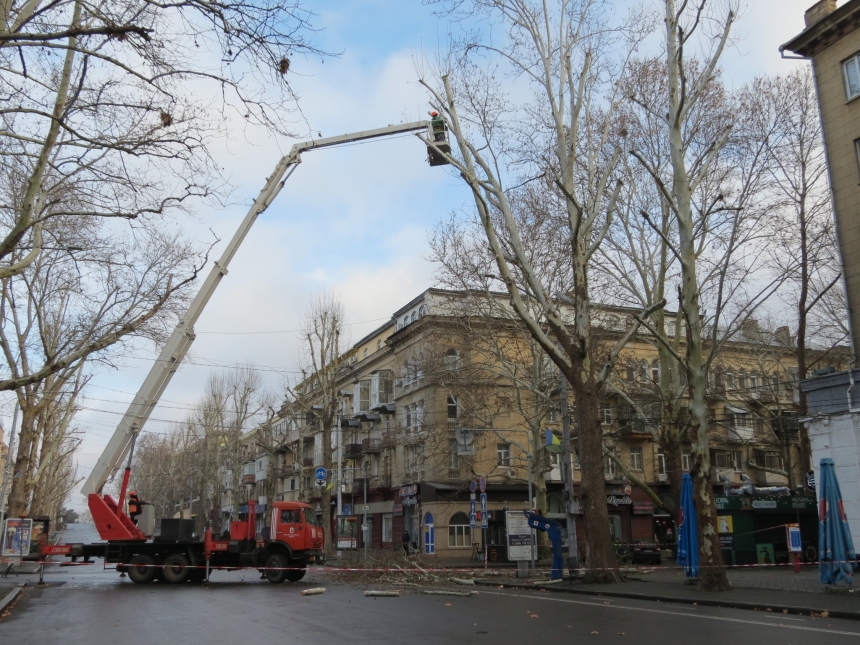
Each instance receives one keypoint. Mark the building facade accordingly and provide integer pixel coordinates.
(444, 394)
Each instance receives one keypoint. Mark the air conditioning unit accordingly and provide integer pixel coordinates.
(662, 478)
(510, 472)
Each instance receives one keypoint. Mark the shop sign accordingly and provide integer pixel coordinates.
(398, 510)
(746, 503)
(725, 524)
(409, 494)
(726, 541)
(643, 508)
(764, 503)
(618, 500)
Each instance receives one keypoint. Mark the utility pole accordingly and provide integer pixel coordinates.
(6, 476)
(567, 473)
(339, 512)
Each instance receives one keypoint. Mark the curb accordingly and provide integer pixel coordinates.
(703, 602)
(10, 598)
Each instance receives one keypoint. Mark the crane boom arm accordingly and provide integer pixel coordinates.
(180, 340)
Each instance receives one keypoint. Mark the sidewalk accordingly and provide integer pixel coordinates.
(753, 589)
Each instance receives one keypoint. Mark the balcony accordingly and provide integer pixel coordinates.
(387, 440)
(637, 429)
(358, 485)
(308, 462)
(352, 450)
(380, 481)
(371, 445)
(249, 479)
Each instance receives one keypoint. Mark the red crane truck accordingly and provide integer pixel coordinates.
(296, 539)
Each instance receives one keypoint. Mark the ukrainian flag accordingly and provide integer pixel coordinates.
(552, 442)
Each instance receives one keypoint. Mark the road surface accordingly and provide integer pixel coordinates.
(94, 607)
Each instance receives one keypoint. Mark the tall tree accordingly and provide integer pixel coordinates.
(568, 54)
(118, 103)
(316, 395)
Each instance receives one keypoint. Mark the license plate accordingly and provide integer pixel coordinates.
(313, 557)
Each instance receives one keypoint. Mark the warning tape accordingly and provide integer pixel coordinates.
(332, 569)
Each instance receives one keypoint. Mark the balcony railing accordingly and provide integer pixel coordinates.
(308, 461)
(371, 445)
(387, 440)
(249, 479)
(352, 450)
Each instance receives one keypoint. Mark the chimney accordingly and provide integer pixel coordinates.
(818, 11)
(783, 335)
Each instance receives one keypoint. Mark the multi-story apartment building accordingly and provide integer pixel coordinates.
(449, 391)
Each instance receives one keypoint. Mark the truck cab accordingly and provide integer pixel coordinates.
(295, 540)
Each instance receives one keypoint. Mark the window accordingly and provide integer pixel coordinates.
(753, 382)
(655, 372)
(631, 371)
(607, 415)
(387, 528)
(453, 457)
(552, 415)
(738, 461)
(643, 371)
(293, 483)
(382, 388)
(452, 360)
(730, 380)
(291, 516)
(379, 344)
(361, 396)
(459, 532)
(414, 316)
(722, 459)
(661, 464)
(310, 517)
(851, 74)
(452, 407)
(686, 460)
(366, 352)
(608, 465)
(503, 454)
(857, 149)
(306, 482)
(636, 458)
(742, 380)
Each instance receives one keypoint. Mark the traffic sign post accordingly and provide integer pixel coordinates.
(473, 515)
(320, 474)
(483, 483)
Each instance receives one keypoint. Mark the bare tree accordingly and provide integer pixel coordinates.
(110, 109)
(316, 395)
(568, 54)
(785, 111)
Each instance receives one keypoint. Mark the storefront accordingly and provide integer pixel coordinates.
(752, 529)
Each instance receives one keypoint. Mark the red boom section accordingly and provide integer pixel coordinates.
(111, 522)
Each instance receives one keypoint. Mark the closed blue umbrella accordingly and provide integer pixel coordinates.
(836, 558)
(688, 535)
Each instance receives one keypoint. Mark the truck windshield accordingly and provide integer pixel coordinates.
(310, 517)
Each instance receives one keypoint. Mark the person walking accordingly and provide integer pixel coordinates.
(405, 539)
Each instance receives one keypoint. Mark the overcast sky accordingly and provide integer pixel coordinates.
(354, 220)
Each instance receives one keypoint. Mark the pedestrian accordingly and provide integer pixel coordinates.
(405, 539)
(135, 506)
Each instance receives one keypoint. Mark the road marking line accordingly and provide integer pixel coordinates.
(677, 613)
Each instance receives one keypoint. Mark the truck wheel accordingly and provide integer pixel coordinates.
(175, 569)
(294, 575)
(275, 568)
(197, 575)
(141, 569)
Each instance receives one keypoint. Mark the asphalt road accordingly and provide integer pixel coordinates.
(92, 606)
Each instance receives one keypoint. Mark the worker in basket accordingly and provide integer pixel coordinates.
(135, 506)
(438, 125)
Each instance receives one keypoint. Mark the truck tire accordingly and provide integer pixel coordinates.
(197, 575)
(294, 575)
(175, 569)
(275, 568)
(141, 569)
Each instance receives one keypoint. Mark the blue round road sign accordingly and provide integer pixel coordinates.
(320, 474)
